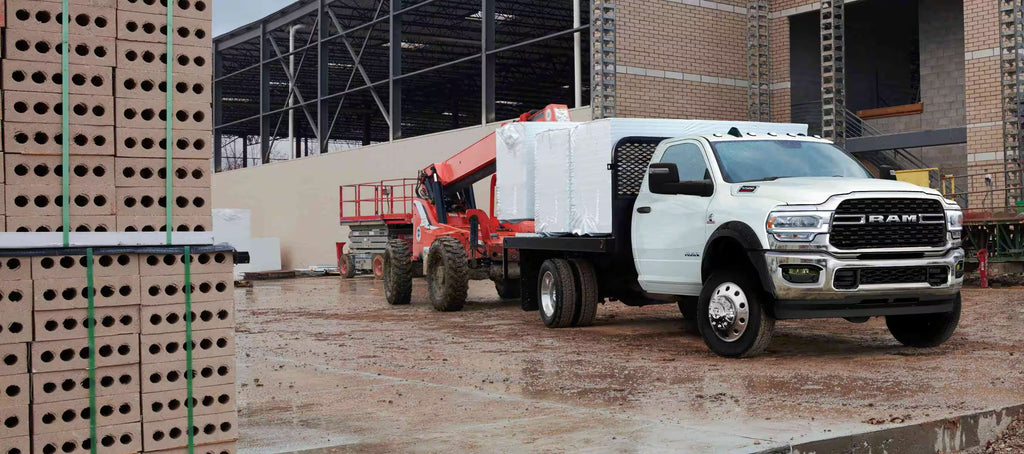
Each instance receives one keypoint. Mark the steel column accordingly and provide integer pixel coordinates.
(395, 70)
(323, 83)
(486, 61)
(833, 70)
(264, 98)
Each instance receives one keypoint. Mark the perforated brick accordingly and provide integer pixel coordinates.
(149, 143)
(62, 266)
(171, 318)
(139, 84)
(74, 384)
(46, 78)
(36, 138)
(15, 311)
(135, 26)
(26, 169)
(55, 224)
(196, 9)
(52, 356)
(15, 420)
(30, 45)
(122, 438)
(229, 447)
(67, 415)
(72, 323)
(171, 433)
(150, 201)
(15, 268)
(35, 107)
(171, 375)
(151, 57)
(71, 293)
(208, 400)
(13, 359)
(159, 348)
(140, 172)
(152, 113)
(160, 290)
(201, 263)
(18, 445)
(47, 17)
(46, 200)
(158, 223)
(15, 390)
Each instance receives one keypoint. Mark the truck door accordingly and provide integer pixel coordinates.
(669, 231)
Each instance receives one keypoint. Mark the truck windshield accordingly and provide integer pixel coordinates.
(758, 160)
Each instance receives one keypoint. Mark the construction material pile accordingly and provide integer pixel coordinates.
(116, 310)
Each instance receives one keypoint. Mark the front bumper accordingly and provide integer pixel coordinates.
(822, 299)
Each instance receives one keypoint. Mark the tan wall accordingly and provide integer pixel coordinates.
(297, 200)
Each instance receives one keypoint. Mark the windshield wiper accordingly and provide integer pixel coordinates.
(771, 178)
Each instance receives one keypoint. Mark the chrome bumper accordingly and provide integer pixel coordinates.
(797, 300)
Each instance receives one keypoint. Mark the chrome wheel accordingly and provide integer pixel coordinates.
(729, 312)
(548, 294)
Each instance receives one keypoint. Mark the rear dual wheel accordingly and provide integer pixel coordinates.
(567, 292)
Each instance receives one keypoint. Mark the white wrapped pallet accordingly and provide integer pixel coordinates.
(592, 150)
(514, 149)
(552, 168)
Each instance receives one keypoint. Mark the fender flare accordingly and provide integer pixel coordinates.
(745, 236)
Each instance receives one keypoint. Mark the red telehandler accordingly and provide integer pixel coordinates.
(452, 240)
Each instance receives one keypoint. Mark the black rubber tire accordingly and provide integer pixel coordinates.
(759, 326)
(448, 276)
(565, 303)
(398, 272)
(373, 266)
(508, 290)
(346, 268)
(925, 330)
(586, 292)
(688, 307)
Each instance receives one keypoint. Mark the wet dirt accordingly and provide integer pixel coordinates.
(326, 365)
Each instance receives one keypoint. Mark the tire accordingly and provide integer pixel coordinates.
(751, 326)
(346, 268)
(377, 266)
(925, 330)
(556, 292)
(448, 276)
(508, 290)
(398, 273)
(586, 292)
(688, 307)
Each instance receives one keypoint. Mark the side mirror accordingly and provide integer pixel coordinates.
(663, 178)
(886, 172)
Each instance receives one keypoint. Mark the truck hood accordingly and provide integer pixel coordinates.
(816, 190)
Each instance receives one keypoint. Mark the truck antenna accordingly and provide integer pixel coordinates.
(735, 132)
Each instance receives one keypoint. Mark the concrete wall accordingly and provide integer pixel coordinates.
(297, 200)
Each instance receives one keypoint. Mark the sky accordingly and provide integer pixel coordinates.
(231, 14)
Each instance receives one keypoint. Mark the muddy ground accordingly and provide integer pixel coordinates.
(325, 364)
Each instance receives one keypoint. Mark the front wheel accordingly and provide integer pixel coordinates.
(397, 269)
(346, 268)
(377, 265)
(925, 330)
(448, 277)
(731, 316)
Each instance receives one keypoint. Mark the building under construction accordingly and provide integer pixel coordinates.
(912, 84)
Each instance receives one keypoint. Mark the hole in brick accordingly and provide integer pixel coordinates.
(155, 378)
(49, 387)
(44, 47)
(108, 441)
(80, 109)
(81, 170)
(148, 28)
(169, 260)
(81, 200)
(181, 201)
(154, 290)
(148, 57)
(82, 20)
(41, 201)
(100, 51)
(173, 376)
(106, 410)
(81, 140)
(124, 350)
(146, 173)
(96, 81)
(183, 60)
(70, 324)
(99, 171)
(125, 379)
(173, 318)
(98, 111)
(108, 321)
(172, 347)
(107, 381)
(146, 201)
(199, 61)
(157, 407)
(23, 15)
(67, 262)
(82, 50)
(130, 113)
(126, 320)
(51, 325)
(106, 351)
(100, 22)
(125, 290)
(20, 76)
(99, 141)
(99, 200)
(21, 107)
(131, 55)
(129, 202)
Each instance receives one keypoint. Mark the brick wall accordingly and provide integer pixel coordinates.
(982, 100)
(662, 97)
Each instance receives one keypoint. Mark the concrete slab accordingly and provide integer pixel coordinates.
(326, 366)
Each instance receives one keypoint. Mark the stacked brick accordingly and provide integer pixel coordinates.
(140, 376)
(118, 111)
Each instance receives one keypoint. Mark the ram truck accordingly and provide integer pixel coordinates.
(741, 230)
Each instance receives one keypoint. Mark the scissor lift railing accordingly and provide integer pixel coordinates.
(386, 201)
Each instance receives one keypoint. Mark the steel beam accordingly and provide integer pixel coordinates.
(915, 139)
(395, 70)
(486, 61)
(264, 98)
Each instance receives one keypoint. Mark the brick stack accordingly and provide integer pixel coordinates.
(117, 174)
(118, 97)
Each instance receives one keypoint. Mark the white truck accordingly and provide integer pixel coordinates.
(743, 229)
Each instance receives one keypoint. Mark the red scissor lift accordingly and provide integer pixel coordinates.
(374, 213)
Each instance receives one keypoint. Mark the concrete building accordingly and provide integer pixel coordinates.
(908, 83)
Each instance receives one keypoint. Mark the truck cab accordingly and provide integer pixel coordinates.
(742, 230)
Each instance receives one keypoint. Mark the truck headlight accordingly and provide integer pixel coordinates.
(955, 223)
(797, 226)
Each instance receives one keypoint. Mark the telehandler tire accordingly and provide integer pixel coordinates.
(448, 276)
(398, 272)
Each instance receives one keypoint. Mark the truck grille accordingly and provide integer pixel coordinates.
(848, 279)
(887, 234)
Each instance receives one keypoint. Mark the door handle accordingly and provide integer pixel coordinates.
(643, 210)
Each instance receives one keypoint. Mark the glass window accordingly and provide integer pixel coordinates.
(690, 161)
(757, 160)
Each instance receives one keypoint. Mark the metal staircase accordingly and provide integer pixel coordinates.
(603, 47)
(758, 63)
(833, 80)
(1011, 45)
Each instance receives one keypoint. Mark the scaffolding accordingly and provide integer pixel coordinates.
(758, 63)
(603, 48)
(833, 80)
(1011, 61)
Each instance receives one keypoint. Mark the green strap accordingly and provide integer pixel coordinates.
(91, 320)
(65, 89)
(169, 135)
(187, 259)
